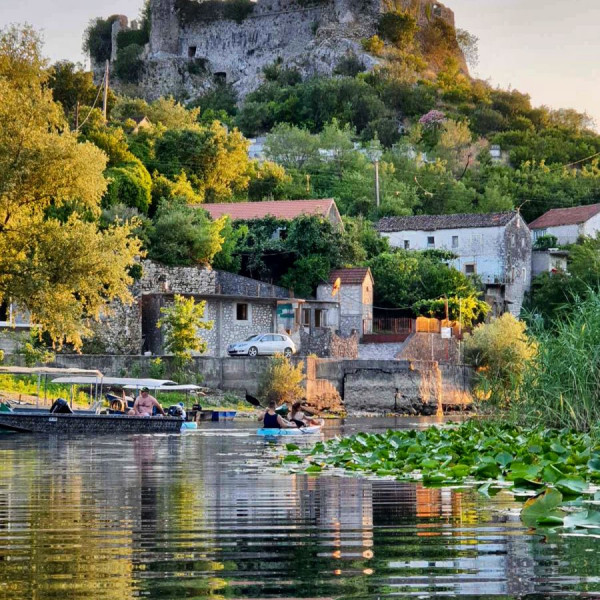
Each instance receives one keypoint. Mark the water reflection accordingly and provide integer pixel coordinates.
(207, 516)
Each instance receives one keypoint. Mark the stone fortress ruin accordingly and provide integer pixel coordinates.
(190, 49)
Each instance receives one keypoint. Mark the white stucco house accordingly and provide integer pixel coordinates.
(568, 224)
(496, 247)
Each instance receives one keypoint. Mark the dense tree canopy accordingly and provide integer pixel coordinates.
(63, 271)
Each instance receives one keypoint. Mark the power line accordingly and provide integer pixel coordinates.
(94, 104)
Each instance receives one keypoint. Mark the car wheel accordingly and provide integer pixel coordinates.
(253, 351)
(287, 352)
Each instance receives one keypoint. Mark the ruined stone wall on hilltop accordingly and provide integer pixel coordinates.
(184, 58)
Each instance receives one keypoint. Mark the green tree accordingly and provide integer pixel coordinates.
(404, 279)
(292, 147)
(214, 160)
(56, 269)
(183, 235)
(181, 323)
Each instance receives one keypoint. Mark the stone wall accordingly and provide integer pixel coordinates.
(428, 347)
(160, 279)
(327, 344)
(363, 385)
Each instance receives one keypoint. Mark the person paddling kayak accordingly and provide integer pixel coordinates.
(271, 420)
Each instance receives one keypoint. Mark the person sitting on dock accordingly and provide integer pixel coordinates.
(271, 420)
(144, 405)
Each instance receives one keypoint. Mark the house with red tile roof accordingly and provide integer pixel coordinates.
(355, 296)
(285, 210)
(568, 224)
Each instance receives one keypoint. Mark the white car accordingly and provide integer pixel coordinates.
(266, 343)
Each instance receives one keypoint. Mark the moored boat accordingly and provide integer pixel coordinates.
(86, 423)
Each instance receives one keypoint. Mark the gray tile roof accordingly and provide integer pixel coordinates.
(435, 222)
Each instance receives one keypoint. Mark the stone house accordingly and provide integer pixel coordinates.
(355, 297)
(568, 224)
(237, 306)
(495, 247)
(285, 210)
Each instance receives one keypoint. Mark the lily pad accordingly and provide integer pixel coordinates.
(573, 487)
(541, 508)
(586, 519)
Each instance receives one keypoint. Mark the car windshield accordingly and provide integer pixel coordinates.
(252, 338)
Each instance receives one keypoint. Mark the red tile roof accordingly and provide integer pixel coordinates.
(280, 209)
(354, 276)
(565, 216)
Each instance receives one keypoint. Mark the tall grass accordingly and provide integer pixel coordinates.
(561, 386)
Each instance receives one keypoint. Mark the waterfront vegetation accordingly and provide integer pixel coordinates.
(558, 468)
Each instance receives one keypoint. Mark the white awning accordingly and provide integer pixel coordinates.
(169, 388)
(91, 373)
(134, 382)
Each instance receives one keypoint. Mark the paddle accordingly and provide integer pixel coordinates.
(252, 400)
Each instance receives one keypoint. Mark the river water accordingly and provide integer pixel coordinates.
(209, 515)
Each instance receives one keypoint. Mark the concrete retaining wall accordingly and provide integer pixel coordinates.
(362, 384)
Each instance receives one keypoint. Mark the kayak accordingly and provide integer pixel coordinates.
(292, 431)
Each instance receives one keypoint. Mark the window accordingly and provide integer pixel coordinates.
(430, 241)
(407, 244)
(5, 312)
(306, 317)
(512, 240)
(455, 241)
(220, 78)
(268, 338)
(320, 317)
(470, 269)
(192, 52)
(538, 233)
(242, 311)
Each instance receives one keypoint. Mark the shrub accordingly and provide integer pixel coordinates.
(181, 323)
(128, 37)
(281, 380)
(373, 45)
(129, 64)
(350, 66)
(399, 28)
(545, 242)
(500, 350)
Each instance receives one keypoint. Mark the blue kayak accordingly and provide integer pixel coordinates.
(291, 431)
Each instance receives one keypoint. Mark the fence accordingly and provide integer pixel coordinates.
(426, 325)
(387, 329)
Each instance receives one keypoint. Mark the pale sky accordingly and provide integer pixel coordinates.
(547, 48)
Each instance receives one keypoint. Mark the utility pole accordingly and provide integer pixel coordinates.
(375, 153)
(105, 99)
(377, 182)
(77, 116)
